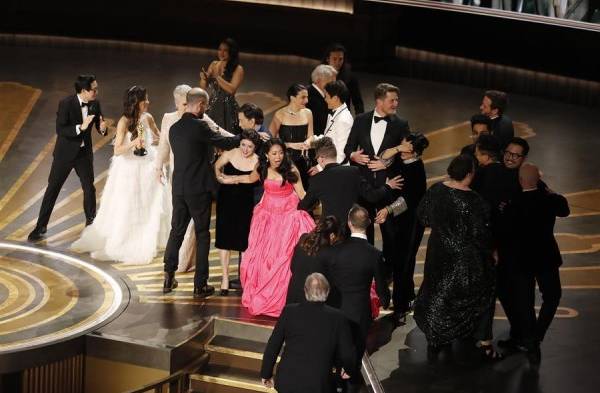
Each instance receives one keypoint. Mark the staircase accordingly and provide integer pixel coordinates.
(235, 355)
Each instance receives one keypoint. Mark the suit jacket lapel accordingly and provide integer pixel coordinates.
(368, 145)
(77, 108)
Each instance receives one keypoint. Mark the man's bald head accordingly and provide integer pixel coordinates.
(529, 176)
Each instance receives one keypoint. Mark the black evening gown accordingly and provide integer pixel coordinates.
(459, 276)
(234, 212)
(301, 266)
(222, 106)
(294, 134)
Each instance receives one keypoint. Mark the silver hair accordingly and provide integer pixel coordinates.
(316, 288)
(196, 94)
(181, 91)
(323, 71)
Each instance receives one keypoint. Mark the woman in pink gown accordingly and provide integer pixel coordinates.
(276, 227)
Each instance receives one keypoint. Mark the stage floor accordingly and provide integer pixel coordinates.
(564, 143)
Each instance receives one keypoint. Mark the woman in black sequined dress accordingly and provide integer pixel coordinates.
(221, 81)
(456, 298)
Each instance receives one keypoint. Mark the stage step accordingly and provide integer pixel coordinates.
(235, 355)
(223, 379)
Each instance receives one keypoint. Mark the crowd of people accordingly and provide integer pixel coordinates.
(299, 199)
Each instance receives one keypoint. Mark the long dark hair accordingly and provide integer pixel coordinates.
(234, 57)
(131, 108)
(285, 168)
(320, 237)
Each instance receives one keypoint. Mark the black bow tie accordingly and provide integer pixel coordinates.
(85, 104)
(331, 112)
(378, 119)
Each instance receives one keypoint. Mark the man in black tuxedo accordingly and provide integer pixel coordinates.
(338, 187)
(76, 116)
(192, 142)
(494, 105)
(534, 256)
(480, 124)
(372, 133)
(321, 76)
(317, 338)
(352, 266)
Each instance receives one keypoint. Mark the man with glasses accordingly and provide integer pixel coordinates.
(76, 116)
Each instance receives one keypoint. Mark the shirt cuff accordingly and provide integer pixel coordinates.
(78, 129)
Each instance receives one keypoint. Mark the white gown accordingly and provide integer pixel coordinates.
(133, 220)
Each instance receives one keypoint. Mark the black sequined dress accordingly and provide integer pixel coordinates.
(459, 277)
(222, 106)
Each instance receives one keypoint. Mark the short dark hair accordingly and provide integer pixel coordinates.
(489, 145)
(520, 142)
(359, 217)
(84, 82)
(481, 119)
(338, 89)
(383, 88)
(499, 100)
(325, 148)
(334, 47)
(294, 89)
(460, 167)
(419, 142)
(252, 111)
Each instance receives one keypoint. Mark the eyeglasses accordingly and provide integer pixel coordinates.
(512, 155)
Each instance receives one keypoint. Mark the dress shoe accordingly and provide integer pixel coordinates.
(43, 230)
(511, 345)
(204, 291)
(235, 284)
(36, 235)
(170, 282)
(89, 221)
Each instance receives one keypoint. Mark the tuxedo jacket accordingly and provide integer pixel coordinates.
(192, 143)
(316, 337)
(531, 236)
(352, 266)
(338, 187)
(318, 107)
(68, 142)
(503, 130)
(360, 137)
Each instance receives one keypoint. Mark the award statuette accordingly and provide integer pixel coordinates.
(140, 150)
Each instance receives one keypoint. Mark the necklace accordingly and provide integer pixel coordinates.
(291, 112)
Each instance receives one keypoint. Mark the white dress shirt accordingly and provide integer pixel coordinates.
(377, 132)
(359, 235)
(84, 113)
(338, 128)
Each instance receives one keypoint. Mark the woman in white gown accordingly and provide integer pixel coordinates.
(133, 220)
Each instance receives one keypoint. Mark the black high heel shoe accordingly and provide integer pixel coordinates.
(224, 292)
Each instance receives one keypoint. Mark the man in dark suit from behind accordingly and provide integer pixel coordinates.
(77, 115)
(494, 105)
(352, 267)
(534, 257)
(317, 338)
(321, 76)
(338, 187)
(194, 182)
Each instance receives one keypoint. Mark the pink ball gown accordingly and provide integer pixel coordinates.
(276, 227)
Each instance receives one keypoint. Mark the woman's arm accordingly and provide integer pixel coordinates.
(164, 148)
(221, 162)
(309, 117)
(205, 75)
(122, 145)
(236, 81)
(275, 125)
(154, 129)
(298, 187)
(404, 147)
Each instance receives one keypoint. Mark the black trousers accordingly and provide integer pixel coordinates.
(483, 328)
(186, 207)
(83, 163)
(408, 236)
(532, 329)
